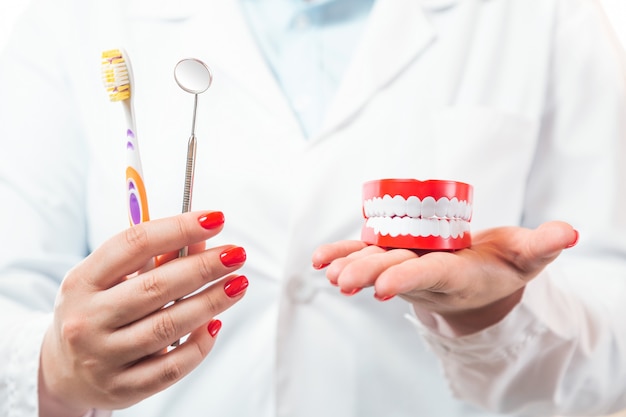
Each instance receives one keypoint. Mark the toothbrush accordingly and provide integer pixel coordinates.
(117, 77)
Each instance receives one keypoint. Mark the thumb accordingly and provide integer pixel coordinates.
(548, 241)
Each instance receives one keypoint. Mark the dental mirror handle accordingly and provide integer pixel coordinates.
(189, 175)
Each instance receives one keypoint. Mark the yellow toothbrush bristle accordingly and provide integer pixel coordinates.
(115, 75)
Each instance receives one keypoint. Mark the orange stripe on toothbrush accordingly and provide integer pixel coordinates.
(137, 200)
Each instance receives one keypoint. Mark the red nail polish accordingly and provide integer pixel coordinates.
(381, 298)
(214, 327)
(212, 220)
(351, 292)
(233, 256)
(576, 237)
(235, 286)
(320, 266)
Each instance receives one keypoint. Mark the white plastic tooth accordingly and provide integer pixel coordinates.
(444, 229)
(434, 227)
(468, 212)
(406, 226)
(422, 227)
(453, 209)
(398, 205)
(462, 208)
(383, 226)
(395, 226)
(378, 206)
(413, 207)
(367, 208)
(378, 225)
(428, 207)
(386, 206)
(441, 207)
(454, 229)
(414, 227)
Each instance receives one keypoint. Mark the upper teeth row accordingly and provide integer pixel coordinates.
(388, 206)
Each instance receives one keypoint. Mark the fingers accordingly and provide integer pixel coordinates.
(170, 256)
(362, 268)
(548, 241)
(158, 330)
(435, 272)
(325, 254)
(154, 374)
(137, 297)
(128, 251)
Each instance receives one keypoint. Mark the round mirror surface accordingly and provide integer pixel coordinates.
(193, 75)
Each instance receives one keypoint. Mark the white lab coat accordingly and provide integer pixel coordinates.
(524, 99)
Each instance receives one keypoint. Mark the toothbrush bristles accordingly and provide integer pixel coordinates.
(115, 75)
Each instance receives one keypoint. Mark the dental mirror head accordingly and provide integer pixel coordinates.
(193, 75)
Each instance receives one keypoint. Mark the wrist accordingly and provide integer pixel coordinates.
(463, 323)
(51, 405)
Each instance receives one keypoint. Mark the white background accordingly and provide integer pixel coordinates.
(10, 10)
(616, 9)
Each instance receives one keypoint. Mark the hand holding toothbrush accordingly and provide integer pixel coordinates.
(107, 345)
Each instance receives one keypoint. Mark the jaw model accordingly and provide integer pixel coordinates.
(412, 214)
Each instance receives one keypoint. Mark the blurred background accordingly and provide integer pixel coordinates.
(9, 11)
(616, 10)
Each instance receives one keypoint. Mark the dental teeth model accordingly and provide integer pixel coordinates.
(412, 214)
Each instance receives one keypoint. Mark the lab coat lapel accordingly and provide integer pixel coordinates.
(217, 32)
(237, 54)
(397, 32)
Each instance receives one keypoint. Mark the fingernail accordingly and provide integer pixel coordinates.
(320, 266)
(214, 327)
(235, 286)
(381, 298)
(575, 241)
(233, 256)
(212, 220)
(351, 292)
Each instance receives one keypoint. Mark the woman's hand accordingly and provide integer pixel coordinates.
(471, 288)
(108, 344)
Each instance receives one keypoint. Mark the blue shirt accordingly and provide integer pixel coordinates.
(308, 45)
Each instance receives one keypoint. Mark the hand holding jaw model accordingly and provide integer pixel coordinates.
(471, 282)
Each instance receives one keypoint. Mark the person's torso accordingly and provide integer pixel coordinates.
(431, 93)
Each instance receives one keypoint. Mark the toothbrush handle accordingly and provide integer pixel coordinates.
(137, 198)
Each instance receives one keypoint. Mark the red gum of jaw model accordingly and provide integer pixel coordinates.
(445, 227)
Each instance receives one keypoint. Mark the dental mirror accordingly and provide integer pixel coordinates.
(193, 75)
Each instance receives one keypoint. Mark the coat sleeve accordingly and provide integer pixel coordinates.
(562, 350)
(42, 172)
